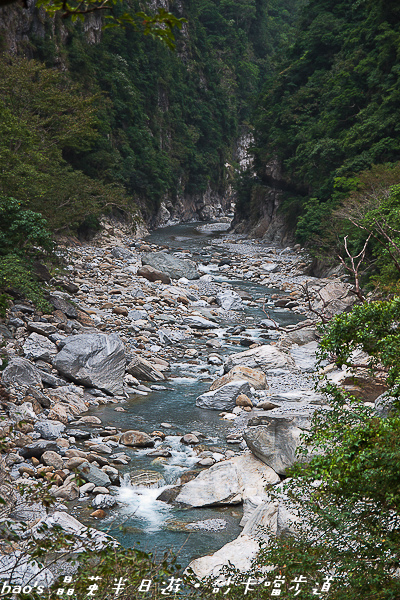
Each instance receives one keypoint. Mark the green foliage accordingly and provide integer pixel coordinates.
(373, 328)
(21, 229)
(332, 109)
(43, 116)
(16, 276)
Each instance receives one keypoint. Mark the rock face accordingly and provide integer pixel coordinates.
(228, 482)
(229, 300)
(173, 266)
(21, 372)
(275, 443)
(256, 379)
(266, 358)
(143, 369)
(95, 360)
(223, 398)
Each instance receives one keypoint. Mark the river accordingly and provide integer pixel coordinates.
(140, 519)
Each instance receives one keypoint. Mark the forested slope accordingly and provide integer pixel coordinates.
(151, 125)
(329, 112)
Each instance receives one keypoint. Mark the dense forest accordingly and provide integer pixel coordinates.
(144, 123)
(329, 114)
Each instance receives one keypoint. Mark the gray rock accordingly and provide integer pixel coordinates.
(143, 369)
(228, 482)
(224, 398)
(37, 448)
(49, 430)
(21, 372)
(104, 501)
(167, 263)
(266, 358)
(270, 267)
(22, 412)
(18, 568)
(122, 253)
(199, 322)
(275, 443)
(68, 492)
(95, 360)
(305, 356)
(41, 328)
(137, 315)
(229, 300)
(93, 474)
(385, 405)
(39, 347)
(51, 380)
(66, 307)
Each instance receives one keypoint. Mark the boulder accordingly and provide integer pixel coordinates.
(299, 336)
(385, 405)
(60, 412)
(275, 443)
(229, 300)
(174, 267)
(238, 554)
(277, 516)
(95, 360)
(199, 322)
(49, 430)
(223, 398)
(44, 329)
(21, 372)
(93, 474)
(104, 501)
(266, 358)
(52, 459)
(256, 379)
(64, 306)
(37, 448)
(19, 569)
(153, 274)
(143, 369)
(228, 482)
(122, 253)
(305, 356)
(334, 298)
(22, 412)
(68, 492)
(243, 401)
(135, 438)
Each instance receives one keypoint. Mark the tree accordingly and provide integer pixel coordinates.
(159, 25)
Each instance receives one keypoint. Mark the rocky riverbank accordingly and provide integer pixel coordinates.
(124, 311)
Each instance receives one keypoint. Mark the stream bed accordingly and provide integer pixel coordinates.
(170, 406)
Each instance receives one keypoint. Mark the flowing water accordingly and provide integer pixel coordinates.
(158, 526)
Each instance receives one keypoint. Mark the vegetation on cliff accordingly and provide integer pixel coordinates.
(329, 113)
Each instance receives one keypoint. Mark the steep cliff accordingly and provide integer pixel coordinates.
(167, 123)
